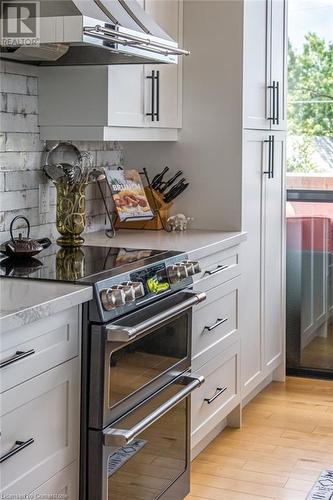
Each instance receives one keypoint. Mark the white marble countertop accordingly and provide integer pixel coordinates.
(198, 243)
(23, 301)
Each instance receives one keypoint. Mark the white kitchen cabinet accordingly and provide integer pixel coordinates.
(216, 322)
(273, 266)
(119, 102)
(35, 348)
(278, 63)
(256, 66)
(63, 485)
(40, 419)
(265, 47)
(218, 396)
(125, 96)
(252, 343)
(216, 346)
(262, 316)
(168, 77)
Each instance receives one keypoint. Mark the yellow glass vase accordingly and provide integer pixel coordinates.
(71, 213)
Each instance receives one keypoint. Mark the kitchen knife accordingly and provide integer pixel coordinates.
(176, 193)
(176, 186)
(165, 185)
(158, 178)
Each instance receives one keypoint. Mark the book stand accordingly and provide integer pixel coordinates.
(158, 206)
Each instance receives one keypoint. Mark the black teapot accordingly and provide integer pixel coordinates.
(23, 246)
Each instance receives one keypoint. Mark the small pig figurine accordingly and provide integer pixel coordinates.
(179, 222)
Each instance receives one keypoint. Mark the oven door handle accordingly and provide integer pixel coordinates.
(122, 437)
(119, 333)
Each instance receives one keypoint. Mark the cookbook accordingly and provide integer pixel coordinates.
(128, 195)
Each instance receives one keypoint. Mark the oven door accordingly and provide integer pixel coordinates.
(135, 356)
(145, 454)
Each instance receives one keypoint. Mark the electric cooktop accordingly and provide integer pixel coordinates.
(87, 264)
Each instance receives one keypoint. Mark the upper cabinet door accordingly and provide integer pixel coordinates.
(163, 83)
(264, 90)
(256, 64)
(126, 95)
(278, 56)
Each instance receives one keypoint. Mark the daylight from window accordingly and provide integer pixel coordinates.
(310, 95)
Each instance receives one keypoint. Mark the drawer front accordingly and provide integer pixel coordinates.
(43, 413)
(219, 394)
(64, 485)
(215, 323)
(43, 344)
(218, 268)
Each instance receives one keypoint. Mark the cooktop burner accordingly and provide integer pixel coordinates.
(87, 264)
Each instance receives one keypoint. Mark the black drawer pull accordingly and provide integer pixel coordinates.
(19, 445)
(152, 113)
(16, 357)
(220, 390)
(277, 120)
(275, 89)
(217, 270)
(219, 322)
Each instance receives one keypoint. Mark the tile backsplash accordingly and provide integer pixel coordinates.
(22, 155)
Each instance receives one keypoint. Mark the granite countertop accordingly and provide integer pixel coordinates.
(24, 301)
(198, 243)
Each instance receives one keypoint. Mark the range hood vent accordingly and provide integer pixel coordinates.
(90, 32)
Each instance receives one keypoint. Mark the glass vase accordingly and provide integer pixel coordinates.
(71, 213)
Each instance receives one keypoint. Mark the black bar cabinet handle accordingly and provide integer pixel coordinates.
(16, 357)
(272, 156)
(273, 88)
(157, 114)
(18, 446)
(152, 113)
(269, 171)
(277, 121)
(220, 391)
(217, 270)
(219, 322)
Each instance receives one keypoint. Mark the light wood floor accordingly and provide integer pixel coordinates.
(286, 440)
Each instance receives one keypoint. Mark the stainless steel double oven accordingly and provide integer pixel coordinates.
(136, 404)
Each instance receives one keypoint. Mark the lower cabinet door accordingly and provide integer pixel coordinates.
(215, 326)
(63, 486)
(39, 429)
(263, 283)
(252, 335)
(273, 268)
(218, 395)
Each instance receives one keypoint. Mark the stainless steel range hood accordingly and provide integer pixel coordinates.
(93, 32)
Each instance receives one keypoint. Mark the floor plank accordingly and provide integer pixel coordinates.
(286, 440)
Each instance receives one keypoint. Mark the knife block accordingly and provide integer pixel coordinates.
(158, 205)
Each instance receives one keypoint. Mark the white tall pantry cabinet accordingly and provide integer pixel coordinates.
(263, 253)
(263, 200)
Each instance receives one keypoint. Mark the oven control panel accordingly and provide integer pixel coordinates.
(124, 293)
(120, 295)
(181, 270)
(154, 279)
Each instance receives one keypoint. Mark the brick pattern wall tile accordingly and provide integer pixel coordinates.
(22, 155)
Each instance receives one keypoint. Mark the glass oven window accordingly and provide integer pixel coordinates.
(143, 360)
(151, 463)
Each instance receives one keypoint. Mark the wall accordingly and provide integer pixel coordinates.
(22, 154)
(209, 150)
